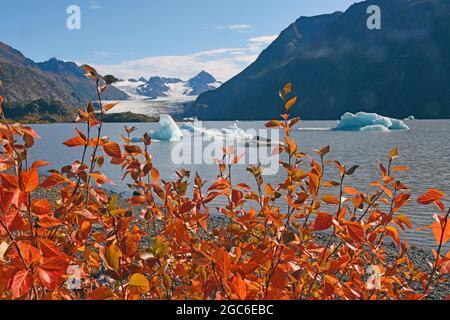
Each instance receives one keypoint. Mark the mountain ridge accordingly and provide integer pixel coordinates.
(158, 87)
(53, 81)
(337, 64)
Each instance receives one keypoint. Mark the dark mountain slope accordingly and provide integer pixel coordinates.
(53, 81)
(336, 65)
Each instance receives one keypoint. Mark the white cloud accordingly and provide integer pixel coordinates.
(223, 63)
(95, 5)
(263, 39)
(236, 27)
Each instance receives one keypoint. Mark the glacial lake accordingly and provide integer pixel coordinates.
(425, 148)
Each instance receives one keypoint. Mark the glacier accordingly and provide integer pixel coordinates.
(363, 121)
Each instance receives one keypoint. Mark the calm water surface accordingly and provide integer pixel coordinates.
(425, 148)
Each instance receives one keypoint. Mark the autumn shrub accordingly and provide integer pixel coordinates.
(326, 242)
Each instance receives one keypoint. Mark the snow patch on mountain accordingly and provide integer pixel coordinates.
(160, 88)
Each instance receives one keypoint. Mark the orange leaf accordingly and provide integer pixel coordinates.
(52, 181)
(155, 175)
(75, 142)
(41, 207)
(39, 163)
(387, 191)
(393, 232)
(330, 199)
(314, 181)
(290, 103)
(438, 232)
(109, 106)
(400, 168)
(49, 222)
(239, 287)
(223, 263)
(352, 191)
(112, 149)
(431, 196)
(30, 180)
(1, 101)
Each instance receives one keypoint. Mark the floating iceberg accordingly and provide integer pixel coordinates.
(410, 118)
(363, 121)
(231, 134)
(168, 130)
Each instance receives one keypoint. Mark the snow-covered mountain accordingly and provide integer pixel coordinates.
(160, 87)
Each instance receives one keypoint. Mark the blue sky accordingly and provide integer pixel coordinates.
(148, 37)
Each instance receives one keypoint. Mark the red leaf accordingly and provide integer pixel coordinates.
(223, 263)
(101, 293)
(9, 182)
(51, 271)
(356, 231)
(112, 149)
(6, 200)
(21, 283)
(49, 222)
(323, 221)
(50, 249)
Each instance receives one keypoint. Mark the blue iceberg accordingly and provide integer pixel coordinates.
(363, 121)
(168, 130)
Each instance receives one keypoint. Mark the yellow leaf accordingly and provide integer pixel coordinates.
(112, 257)
(138, 284)
(394, 153)
(287, 88)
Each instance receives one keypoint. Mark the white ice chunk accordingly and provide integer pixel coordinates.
(168, 130)
(361, 120)
(375, 128)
